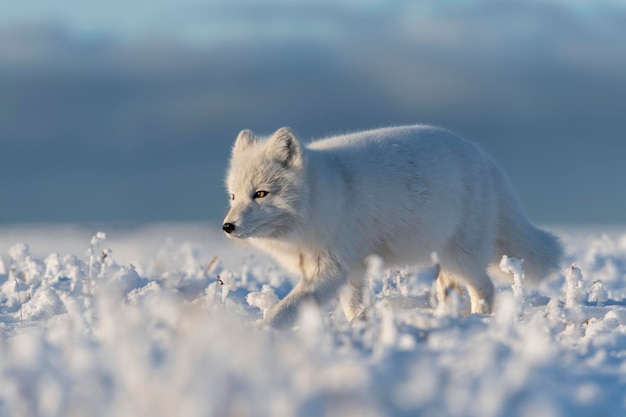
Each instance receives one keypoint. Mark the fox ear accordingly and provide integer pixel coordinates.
(285, 147)
(244, 140)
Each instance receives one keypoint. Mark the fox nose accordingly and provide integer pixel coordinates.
(228, 227)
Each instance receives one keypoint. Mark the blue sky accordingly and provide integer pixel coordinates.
(184, 17)
(125, 111)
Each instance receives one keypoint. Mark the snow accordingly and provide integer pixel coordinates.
(165, 321)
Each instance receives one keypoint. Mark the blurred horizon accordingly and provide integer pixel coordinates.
(126, 112)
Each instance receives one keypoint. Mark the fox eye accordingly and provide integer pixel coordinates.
(260, 194)
(232, 196)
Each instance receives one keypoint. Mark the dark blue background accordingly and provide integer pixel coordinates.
(127, 113)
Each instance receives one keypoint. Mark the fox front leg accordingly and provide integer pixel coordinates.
(320, 288)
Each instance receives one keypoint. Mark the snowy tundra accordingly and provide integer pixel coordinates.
(401, 193)
(163, 326)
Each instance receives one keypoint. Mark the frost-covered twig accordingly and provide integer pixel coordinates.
(517, 307)
(105, 256)
(19, 300)
(94, 250)
(210, 265)
(514, 266)
(227, 282)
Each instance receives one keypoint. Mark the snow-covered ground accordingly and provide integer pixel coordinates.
(162, 321)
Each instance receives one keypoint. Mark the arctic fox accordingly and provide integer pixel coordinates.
(401, 193)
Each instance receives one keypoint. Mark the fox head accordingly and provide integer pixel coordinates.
(265, 182)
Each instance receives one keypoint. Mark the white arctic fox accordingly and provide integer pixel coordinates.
(401, 193)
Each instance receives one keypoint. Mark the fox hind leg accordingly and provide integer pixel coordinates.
(479, 287)
(481, 292)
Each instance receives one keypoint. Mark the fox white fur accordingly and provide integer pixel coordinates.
(401, 193)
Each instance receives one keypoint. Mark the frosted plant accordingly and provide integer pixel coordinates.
(74, 270)
(227, 282)
(94, 250)
(598, 294)
(514, 266)
(263, 300)
(53, 266)
(105, 259)
(19, 252)
(23, 265)
(573, 287)
(98, 238)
